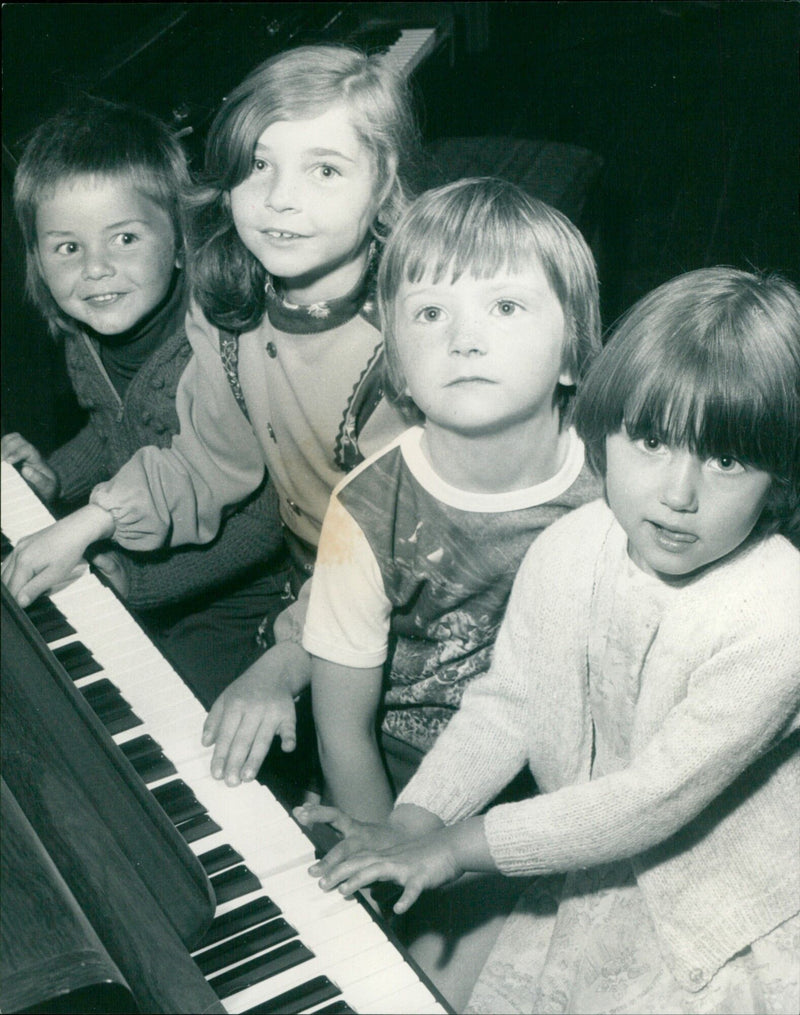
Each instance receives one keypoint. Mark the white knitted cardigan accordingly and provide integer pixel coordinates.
(709, 807)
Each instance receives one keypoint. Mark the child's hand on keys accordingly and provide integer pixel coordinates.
(33, 468)
(370, 853)
(253, 710)
(50, 558)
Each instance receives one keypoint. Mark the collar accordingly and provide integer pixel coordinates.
(294, 319)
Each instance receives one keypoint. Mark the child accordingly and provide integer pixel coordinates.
(303, 176)
(99, 196)
(489, 305)
(648, 671)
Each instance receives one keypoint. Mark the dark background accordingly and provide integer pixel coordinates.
(692, 106)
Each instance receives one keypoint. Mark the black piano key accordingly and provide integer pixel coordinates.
(233, 883)
(148, 759)
(48, 620)
(6, 546)
(198, 827)
(242, 918)
(128, 721)
(102, 693)
(77, 660)
(141, 748)
(252, 942)
(220, 859)
(285, 956)
(177, 799)
(337, 1008)
(299, 999)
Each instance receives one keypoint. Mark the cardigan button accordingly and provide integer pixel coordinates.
(157, 383)
(147, 417)
(696, 975)
(272, 350)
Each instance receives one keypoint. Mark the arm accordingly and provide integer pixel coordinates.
(250, 538)
(79, 464)
(179, 494)
(346, 701)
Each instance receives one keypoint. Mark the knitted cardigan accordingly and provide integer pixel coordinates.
(251, 537)
(708, 808)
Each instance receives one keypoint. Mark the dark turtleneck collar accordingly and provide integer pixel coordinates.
(124, 354)
(325, 315)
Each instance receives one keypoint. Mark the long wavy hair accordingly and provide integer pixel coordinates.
(228, 281)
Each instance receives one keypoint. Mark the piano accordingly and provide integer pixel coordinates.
(158, 888)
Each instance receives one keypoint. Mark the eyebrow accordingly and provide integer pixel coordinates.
(316, 152)
(114, 225)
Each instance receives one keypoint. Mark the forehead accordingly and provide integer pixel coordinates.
(530, 281)
(331, 131)
(97, 200)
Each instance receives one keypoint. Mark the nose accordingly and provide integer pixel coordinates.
(281, 193)
(97, 262)
(679, 481)
(466, 338)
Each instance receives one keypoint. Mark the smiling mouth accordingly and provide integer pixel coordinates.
(468, 380)
(280, 234)
(102, 299)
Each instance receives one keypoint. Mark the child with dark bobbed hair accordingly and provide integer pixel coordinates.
(648, 674)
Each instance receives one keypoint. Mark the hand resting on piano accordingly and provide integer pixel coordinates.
(47, 559)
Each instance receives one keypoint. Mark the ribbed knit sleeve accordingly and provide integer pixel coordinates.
(249, 542)
(79, 464)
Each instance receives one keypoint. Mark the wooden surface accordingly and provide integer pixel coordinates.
(131, 874)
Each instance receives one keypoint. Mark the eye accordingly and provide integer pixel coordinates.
(726, 463)
(327, 172)
(125, 239)
(651, 444)
(428, 315)
(67, 248)
(259, 165)
(505, 308)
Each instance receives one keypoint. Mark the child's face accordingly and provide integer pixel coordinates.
(680, 512)
(106, 251)
(481, 355)
(306, 208)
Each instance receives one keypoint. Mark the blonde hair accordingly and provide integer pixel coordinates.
(483, 226)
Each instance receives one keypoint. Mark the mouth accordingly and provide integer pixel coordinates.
(103, 299)
(282, 234)
(468, 380)
(672, 539)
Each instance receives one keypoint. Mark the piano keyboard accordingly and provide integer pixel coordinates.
(277, 943)
(411, 48)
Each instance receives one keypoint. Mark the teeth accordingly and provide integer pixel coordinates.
(105, 298)
(283, 236)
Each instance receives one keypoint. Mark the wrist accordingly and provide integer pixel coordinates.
(469, 846)
(294, 666)
(94, 523)
(413, 821)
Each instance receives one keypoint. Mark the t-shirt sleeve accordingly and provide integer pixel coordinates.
(348, 611)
